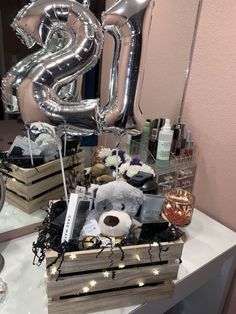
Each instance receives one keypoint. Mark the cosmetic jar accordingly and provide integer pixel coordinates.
(178, 207)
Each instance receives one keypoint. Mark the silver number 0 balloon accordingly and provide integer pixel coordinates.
(39, 92)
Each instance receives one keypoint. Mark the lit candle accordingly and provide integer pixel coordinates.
(178, 207)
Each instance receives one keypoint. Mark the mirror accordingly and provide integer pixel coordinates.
(168, 60)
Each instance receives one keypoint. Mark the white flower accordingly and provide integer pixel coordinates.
(148, 169)
(124, 167)
(112, 161)
(127, 157)
(105, 152)
(133, 170)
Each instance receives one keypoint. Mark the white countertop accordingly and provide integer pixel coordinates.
(206, 241)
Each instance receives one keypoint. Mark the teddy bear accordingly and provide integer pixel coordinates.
(115, 206)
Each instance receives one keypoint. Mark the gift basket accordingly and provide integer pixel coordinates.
(110, 244)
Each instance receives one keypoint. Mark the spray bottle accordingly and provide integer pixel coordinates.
(164, 142)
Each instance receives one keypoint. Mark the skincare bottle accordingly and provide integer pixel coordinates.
(144, 140)
(146, 132)
(154, 125)
(128, 145)
(178, 138)
(176, 135)
(135, 145)
(152, 146)
(161, 123)
(164, 142)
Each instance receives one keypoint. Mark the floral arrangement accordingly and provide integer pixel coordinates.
(127, 166)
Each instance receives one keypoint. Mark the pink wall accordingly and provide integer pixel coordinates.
(210, 110)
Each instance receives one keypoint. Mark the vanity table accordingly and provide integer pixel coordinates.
(208, 264)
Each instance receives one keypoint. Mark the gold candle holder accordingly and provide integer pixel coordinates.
(178, 207)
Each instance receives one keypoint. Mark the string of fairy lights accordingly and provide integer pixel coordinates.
(108, 274)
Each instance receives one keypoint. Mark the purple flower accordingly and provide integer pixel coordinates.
(125, 176)
(135, 162)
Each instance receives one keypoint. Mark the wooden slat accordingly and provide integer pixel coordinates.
(110, 300)
(32, 190)
(33, 174)
(86, 260)
(35, 204)
(123, 278)
(19, 232)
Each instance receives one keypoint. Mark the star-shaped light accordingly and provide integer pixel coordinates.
(53, 270)
(72, 256)
(121, 265)
(138, 257)
(93, 283)
(86, 289)
(156, 272)
(106, 274)
(141, 283)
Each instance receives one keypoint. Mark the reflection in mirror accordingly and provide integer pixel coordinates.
(168, 58)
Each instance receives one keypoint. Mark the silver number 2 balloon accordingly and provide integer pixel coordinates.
(39, 92)
(18, 73)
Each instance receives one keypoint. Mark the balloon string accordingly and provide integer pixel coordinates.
(62, 170)
(117, 137)
(117, 155)
(30, 147)
(65, 143)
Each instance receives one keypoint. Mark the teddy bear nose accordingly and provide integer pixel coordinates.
(111, 221)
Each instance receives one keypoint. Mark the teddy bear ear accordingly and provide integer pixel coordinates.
(104, 205)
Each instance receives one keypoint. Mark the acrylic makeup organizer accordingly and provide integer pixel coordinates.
(178, 172)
